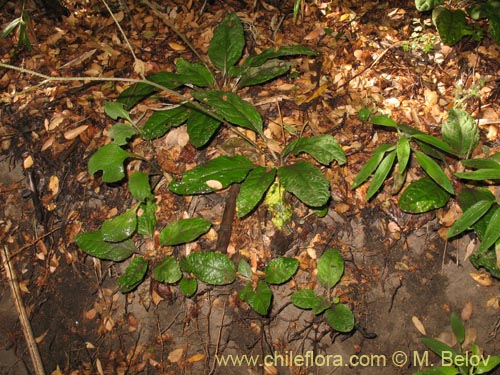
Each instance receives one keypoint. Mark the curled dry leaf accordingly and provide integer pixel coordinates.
(73, 133)
(483, 279)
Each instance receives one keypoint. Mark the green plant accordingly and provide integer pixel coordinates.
(459, 361)
(330, 269)
(453, 25)
(203, 97)
(419, 39)
(20, 24)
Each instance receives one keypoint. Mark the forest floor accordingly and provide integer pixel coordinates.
(402, 277)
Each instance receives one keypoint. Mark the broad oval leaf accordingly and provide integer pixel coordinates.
(201, 127)
(146, 220)
(330, 268)
(340, 318)
(469, 217)
(109, 159)
(168, 271)
(188, 286)
(258, 299)
(306, 182)
(307, 299)
(93, 244)
(120, 227)
(226, 46)
(244, 269)
(160, 122)
(280, 270)
(423, 195)
(492, 233)
(263, 73)
(184, 230)
(384, 120)
(253, 189)
(133, 275)
(323, 148)
(371, 165)
(139, 187)
(434, 171)
(120, 133)
(194, 73)
(460, 132)
(452, 25)
(232, 108)
(212, 268)
(403, 152)
(381, 174)
(224, 169)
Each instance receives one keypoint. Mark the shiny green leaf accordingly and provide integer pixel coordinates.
(160, 122)
(138, 184)
(492, 233)
(460, 132)
(258, 299)
(93, 244)
(381, 174)
(211, 267)
(120, 227)
(330, 268)
(340, 318)
(323, 148)
(168, 271)
(469, 217)
(280, 270)
(423, 195)
(120, 133)
(188, 286)
(434, 171)
(253, 189)
(109, 159)
(195, 73)
(201, 128)
(371, 165)
(183, 231)
(133, 275)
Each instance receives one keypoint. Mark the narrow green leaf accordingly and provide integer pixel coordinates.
(160, 122)
(490, 363)
(244, 269)
(258, 299)
(306, 182)
(403, 151)
(120, 227)
(93, 244)
(340, 318)
(460, 132)
(323, 148)
(226, 46)
(138, 184)
(212, 268)
(253, 189)
(133, 275)
(280, 270)
(224, 169)
(434, 142)
(115, 110)
(384, 120)
(11, 26)
(438, 347)
(469, 217)
(168, 271)
(481, 163)
(146, 218)
(492, 232)
(194, 73)
(467, 197)
(272, 53)
(296, 9)
(480, 174)
(381, 174)
(184, 230)
(371, 165)
(263, 73)
(120, 133)
(188, 286)
(457, 327)
(441, 370)
(232, 108)
(109, 159)
(330, 268)
(434, 171)
(201, 127)
(423, 195)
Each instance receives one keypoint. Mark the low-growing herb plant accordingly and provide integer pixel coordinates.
(460, 361)
(203, 96)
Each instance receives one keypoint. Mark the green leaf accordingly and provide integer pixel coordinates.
(224, 169)
(457, 327)
(403, 151)
(364, 114)
(425, 5)
(480, 174)
(11, 26)
(323, 148)
(120, 227)
(340, 318)
(115, 110)
(460, 132)
(330, 268)
(306, 182)
(492, 233)
(381, 174)
(438, 347)
(168, 271)
(201, 127)
(469, 217)
(491, 363)
(194, 73)
(307, 299)
(212, 268)
(371, 165)
(263, 73)
(109, 159)
(384, 120)
(184, 230)
(280, 270)
(93, 244)
(423, 195)
(133, 275)
(434, 142)
(188, 286)
(160, 122)
(488, 260)
(258, 299)
(146, 221)
(467, 197)
(120, 133)
(232, 108)
(480, 163)
(253, 189)
(244, 269)
(452, 25)
(441, 370)
(226, 46)
(434, 171)
(272, 53)
(138, 184)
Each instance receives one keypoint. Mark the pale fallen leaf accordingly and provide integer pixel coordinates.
(418, 325)
(73, 133)
(99, 366)
(175, 355)
(466, 311)
(139, 67)
(471, 247)
(483, 279)
(54, 185)
(48, 143)
(28, 162)
(57, 371)
(89, 345)
(470, 336)
(196, 358)
(176, 46)
(214, 184)
(40, 338)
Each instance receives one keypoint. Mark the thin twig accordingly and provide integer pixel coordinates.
(23, 316)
